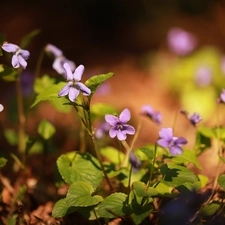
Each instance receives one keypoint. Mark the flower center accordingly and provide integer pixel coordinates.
(119, 126)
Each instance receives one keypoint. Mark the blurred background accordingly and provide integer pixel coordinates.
(165, 53)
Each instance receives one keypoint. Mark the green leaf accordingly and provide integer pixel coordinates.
(11, 136)
(112, 154)
(8, 73)
(207, 132)
(210, 209)
(202, 142)
(176, 175)
(101, 109)
(46, 129)
(50, 93)
(187, 156)
(140, 189)
(27, 39)
(42, 83)
(79, 195)
(3, 162)
(114, 206)
(77, 166)
(94, 82)
(61, 209)
(149, 152)
(221, 181)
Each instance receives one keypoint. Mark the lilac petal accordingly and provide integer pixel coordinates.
(180, 141)
(222, 96)
(65, 90)
(121, 135)
(146, 109)
(24, 53)
(10, 47)
(124, 116)
(73, 93)
(22, 61)
(113, 132)
(71, 63)
(15, 61)
(129, 129)
(69, 74)
(166, 133)
(112, 120)
(57, 66)
(1, 107)
(175, 150)
(54, 50)
(85, 90)
(163, 143)
(78, 73)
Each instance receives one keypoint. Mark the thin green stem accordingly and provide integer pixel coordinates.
(39, 62)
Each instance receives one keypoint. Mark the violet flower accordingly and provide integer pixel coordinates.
(60, 59)
(102, 130)
(119, 126)
(222, 96)
(74, 86)
(203, 76)
(1, 107)
(148, 111)
(19, 55)
(181, 42)
(169, 141)
(135, 162)
(193, 119)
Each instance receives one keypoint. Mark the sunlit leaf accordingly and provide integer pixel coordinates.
(101, 109)
(112, 154)
(46, 129)
(80, 195)
(8, 73)
(210, 209)
(114, 206)
(94, 82)
(77, 166)
(41, 83)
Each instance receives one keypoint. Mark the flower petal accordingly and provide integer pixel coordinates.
(175, 150)
(78, 73)
(15, 61)
(53, 49)
(65, 90)
(180, 141)
(69, 74)
(166, 133)
(163, 143)
(129, 129)
(24, 53)
(1, 107)
(8, 47)
(147, 109)
(121, 135)
(113, 132)
(22, 61)
(85, 90)
(58, 66)
(124, 116)
(112, 120)
(73, 93)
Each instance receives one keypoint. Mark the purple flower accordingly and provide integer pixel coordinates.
(156, 117)
(203, 76)
(1, 107)
(74, 86)
(193, 119)
(222, 96)
(60, 59)
(119, 126)
(135, 162)
(19, 55)
(102, 130)
(169, 141)
(181, 42)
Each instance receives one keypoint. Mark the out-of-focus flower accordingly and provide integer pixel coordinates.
(119, 126)
(135, 162)
(148, 111)
(1, 107)
(74, 86)
(19, 55)
(102, 130)
(203, 76)
(193, 119)
(60, 59)
(169, 141)
(181, 42)
(222, 96)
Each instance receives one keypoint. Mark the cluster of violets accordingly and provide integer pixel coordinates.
(116, 125)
